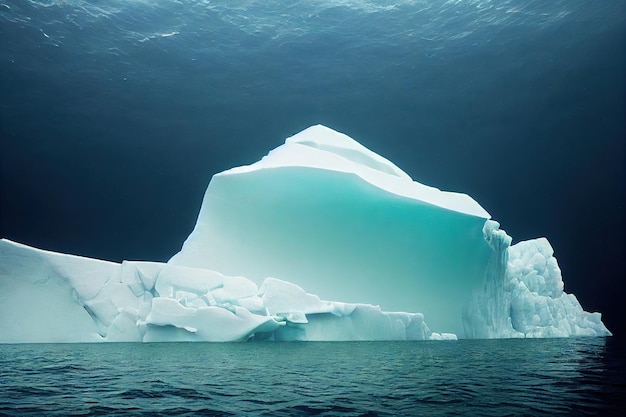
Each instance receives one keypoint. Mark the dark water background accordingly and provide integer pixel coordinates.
(115, 114)
(555, 377)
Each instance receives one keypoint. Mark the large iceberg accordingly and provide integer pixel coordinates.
(321, 213)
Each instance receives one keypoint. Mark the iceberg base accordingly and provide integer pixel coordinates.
(53, 297)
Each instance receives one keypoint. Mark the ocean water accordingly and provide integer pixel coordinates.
(555, 377)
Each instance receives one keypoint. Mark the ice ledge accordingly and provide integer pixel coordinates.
(52, 297)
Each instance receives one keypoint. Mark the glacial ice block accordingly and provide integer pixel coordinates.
(326, 213)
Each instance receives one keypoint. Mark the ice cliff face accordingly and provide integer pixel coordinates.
(320, 212)
(326, 213)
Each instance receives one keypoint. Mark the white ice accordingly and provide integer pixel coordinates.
(52, 297)
(320, 212)
(523, 295)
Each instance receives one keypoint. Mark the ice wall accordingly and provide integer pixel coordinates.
(325, 213)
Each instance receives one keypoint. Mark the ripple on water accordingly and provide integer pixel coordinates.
(473, 378)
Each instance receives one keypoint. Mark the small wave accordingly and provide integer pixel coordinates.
(450, 20)
(33, 391)
(187, 411)
(63, 368)
(134, 393)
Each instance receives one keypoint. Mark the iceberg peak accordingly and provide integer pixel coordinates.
(329, 140)
(321, 148)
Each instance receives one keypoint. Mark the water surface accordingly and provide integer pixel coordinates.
(473, 378)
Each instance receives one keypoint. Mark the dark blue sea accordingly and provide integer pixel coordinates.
(554, 377)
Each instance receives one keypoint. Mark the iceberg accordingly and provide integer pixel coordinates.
(323, 213)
